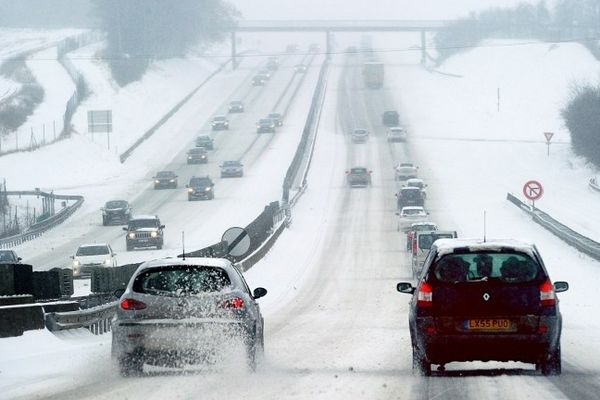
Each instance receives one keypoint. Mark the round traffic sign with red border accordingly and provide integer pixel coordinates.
(533, 190)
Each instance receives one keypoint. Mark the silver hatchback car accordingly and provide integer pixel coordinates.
(176, 312)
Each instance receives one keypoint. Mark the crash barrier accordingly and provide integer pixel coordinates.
(594, 184)
(107, 280)
(96, 319)
(568, 235)
(37, 229)
(19, 279)
(127, 153)
(261, 251)
(18, 318)
(309, 128)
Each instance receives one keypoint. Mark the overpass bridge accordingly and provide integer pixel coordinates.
(331, 26)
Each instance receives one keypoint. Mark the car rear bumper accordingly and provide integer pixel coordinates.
(490, 346)
(197, 160)
(231, 173)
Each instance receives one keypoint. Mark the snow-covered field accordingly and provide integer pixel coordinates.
(335, 326)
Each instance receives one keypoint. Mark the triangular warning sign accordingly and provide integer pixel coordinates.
(548, 135)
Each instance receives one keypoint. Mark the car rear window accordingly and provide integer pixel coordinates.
(358, 171)
(181, 280)
(503, 267)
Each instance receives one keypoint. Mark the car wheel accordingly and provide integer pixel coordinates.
(131, 364)
(212, 196)
(189, 198)
(552, 364)
(104, 222)
(421, 366)
(159, 247)
(129, 247)
(254, 352)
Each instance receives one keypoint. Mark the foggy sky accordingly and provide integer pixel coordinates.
(371, 9)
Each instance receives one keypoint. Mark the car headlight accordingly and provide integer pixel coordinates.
(131, 235)
(189, 157)
(207, 189)
(76, 263)
(153, 234)
(172, 180)
(157, 181)
(108, 261)
(190, 190)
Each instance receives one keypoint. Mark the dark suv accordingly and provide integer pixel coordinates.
(410, 196)
(116, 211)
(390, 118)
(358, 176)
(483, 301)
(200, 188)
(144, 231)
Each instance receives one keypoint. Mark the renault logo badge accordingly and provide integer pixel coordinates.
(486, 296)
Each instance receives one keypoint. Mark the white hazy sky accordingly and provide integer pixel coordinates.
(365, 9)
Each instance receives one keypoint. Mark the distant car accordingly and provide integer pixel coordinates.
(144, 231)
(200, 188)
(417, 227)
(358, 177)
(418, 183)
(484, 301)
(292, 48)
(409, 196)
(360, 136)
(390, 118)
(259, 80)
(265, 125)
(9, 257)
(266, 73)
(276, 117)
(220, 122)
(232, 168)
(421, 245)
(409, 215)
(405, 171)
(300, 68)
(205, 141)
(197, 155)
(273, 63)
(175, 312)
(165, 179)
(89, 256)
(236, 106)
(116, 211)
(396, 134)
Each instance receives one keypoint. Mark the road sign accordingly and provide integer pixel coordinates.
(100, 121)
(533, 190)
(548, 136)
(238, 241)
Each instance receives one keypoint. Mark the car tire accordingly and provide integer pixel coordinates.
(552, 365)
(104, 222)
(254, 352)
(212, 196)
(421, 366)
(131, 365)
(129, 247)
(159, 246)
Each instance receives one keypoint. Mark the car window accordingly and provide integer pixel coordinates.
(7, 256)
(116, 204)
(181, 280)
(165, 174)
(143, 223)
(92, 251)
(504, 267)
(358, 171)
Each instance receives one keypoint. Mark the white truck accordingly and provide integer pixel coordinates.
(421, 244)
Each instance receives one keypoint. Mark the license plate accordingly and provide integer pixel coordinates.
(493, 325)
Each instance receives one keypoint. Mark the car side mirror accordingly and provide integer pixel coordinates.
(162, 227)
(397, 213)
(561, 286)
(187, 186)
(118, 293)
(405, 287)
(259, 292)
(72, 257)
(125, 229)
(19, 258)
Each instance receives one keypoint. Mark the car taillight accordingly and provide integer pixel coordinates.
(233, 304)
(131, 304)
(425, 295)
(547, 296)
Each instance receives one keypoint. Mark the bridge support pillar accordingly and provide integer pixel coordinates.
(423, 47)
(234, 61)
(328, 48)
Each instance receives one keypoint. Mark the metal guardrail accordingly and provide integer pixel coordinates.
(568, 235)
(39, 228)
(96, 319)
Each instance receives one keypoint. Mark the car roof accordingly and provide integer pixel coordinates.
(166, 172)
(413, 208)
(235, 101)
(143, 216)
(199, 261)
(275, 113)
(423, 223)
(447, 246)
(93, 245)
(219, 116)
(396, 127)
(231, 162)
(414, 180)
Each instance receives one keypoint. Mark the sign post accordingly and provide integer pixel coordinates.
(100, 121)
(548, 136)
(533, 190)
